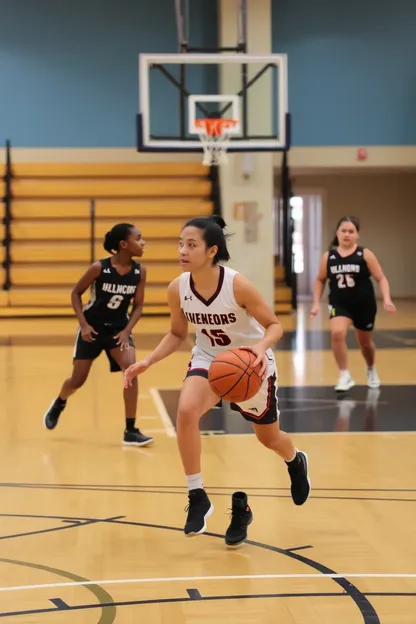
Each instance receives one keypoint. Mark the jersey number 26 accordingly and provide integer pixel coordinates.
(345, 280)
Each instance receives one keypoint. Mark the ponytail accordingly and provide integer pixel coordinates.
(113, 238)
(213, 234)
(334, 243)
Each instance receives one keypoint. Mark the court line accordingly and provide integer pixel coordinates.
(362, 603)
(156, 430)
(184, 488)
(328, 433)
(333, 401)
(182, 579)
(162, 411)
(224, 492)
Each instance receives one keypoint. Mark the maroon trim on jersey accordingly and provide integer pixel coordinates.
(216, 293)
(270, 389)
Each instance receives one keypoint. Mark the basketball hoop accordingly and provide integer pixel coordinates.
(215, 136)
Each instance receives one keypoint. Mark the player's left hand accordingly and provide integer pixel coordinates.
(261, 358)
(389, 306)
(123, 339)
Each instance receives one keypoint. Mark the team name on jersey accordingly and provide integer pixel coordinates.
(198, 318)
(118, 289)
(345, 268)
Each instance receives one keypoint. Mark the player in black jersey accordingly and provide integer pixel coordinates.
(105, 324)
(348, 269)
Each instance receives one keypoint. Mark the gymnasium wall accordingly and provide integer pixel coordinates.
(384, 204)
(351, 70)
(69, 68)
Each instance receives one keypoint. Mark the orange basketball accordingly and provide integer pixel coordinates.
(232, 376)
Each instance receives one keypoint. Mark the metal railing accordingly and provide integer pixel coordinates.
(288, 228)
(214, 177)
(7, 200)
(92, 230)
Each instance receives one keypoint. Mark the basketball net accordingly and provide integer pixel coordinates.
(215, 136)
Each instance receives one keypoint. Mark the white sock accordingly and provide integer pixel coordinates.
(288, 461)
(194, 481)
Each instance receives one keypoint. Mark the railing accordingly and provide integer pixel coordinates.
(214, 177)
(7, 200)
(288, 257)
(92, 230)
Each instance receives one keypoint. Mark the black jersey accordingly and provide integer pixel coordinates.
(349, 278)
(111, 295)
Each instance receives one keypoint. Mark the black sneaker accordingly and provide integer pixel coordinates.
(52, 415)
(136, 438)
(298, 471)
(199, 509)
(241, 517)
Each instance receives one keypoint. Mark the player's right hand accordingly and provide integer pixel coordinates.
(314, 310)
(87, 333)
(135, 369)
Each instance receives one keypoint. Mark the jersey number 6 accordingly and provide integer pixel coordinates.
(217, 337)
(115, 302)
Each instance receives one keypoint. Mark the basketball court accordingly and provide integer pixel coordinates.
(92, 532)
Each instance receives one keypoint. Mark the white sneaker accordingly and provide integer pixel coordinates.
(345, 382)
(373, 380)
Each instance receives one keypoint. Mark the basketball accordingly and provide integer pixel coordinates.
(233, 377)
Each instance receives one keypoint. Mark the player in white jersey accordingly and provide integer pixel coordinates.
(228, 312)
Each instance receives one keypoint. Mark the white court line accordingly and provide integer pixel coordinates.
(156, 431)
(180, 579)
(353, 433)
(164, 416)
(323, 433)
(331, 401)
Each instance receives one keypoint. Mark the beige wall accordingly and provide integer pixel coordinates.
(385, 204)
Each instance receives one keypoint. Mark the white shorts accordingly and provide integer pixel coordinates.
(263, 407)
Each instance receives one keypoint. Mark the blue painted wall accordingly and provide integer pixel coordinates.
(68, 68)
(352, 70)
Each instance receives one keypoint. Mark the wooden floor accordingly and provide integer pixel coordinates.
(92, 531)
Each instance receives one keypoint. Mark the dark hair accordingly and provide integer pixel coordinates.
(213, 234)
(353, 220)
(118, 233)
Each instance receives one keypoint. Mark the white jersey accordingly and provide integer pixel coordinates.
(220, 322)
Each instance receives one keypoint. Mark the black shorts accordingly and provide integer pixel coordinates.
(262, 409)
(104, 341)
(363, 315)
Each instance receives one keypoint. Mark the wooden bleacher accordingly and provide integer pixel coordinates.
(51, 229)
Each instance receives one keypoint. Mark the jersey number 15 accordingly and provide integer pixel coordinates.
(217, 337)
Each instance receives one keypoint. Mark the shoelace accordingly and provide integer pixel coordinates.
(194, 503)
(237, 519)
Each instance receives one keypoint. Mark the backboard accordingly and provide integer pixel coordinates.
(175, 90)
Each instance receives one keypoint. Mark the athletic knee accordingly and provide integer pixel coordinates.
(77, 380)
(366, 343)
(338, 335)
(187, 416)
(271, 442)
